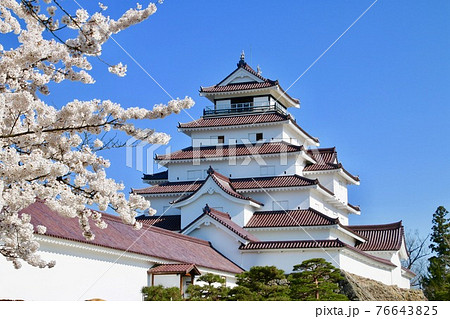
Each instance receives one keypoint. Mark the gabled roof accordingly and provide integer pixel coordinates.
(230, 151)
(166, 269)
(296, 218)
(387, 237)
(260, 83)
(225, 220)
(224, 184)
(169, 222)
(310, 244)
(148, 241)
(236, 184)
(289, 218)
(326, 159)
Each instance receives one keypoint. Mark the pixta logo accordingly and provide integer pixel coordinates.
(140, 155)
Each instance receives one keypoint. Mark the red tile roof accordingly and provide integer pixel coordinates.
(236, 184)
(225, 220)
(174, 269)
(224, 183)
(272, 182)
(380, 237)
(293, 244)
(326, 159)
(170, 187)
(289, 218)
(238, 87)
(235, 120)
(148, 241)
(310, 244)
(169, 222)
(245, 86)
(231, 151)
(243, 120)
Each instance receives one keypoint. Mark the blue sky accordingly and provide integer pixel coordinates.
(380, 94)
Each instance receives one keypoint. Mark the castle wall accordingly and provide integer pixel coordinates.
(236, 167)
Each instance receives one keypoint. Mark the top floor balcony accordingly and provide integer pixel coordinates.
(243, 108)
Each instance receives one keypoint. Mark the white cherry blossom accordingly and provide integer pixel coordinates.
(44, 154)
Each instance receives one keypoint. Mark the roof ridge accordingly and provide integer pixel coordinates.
(394, 225)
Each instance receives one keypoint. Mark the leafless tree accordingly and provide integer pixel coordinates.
(418, 249)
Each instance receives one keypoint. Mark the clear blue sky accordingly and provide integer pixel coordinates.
(381, 94)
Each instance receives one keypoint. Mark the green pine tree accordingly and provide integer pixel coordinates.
(213, 290)
(315, 279)
(261, 283)
(436, 285)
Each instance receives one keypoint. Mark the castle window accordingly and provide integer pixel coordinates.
(259, 136)
(221, 139)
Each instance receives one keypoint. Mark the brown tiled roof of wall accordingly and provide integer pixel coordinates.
(380, 237)
(148, 241)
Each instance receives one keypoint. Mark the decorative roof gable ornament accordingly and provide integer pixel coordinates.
(210, 170)
(258, 70)
(206, 209)
(242, 62)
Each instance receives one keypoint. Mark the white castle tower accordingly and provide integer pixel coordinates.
(259, 188)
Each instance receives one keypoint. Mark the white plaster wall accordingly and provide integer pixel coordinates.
(394, 257)
(286, 259)
(318, 203)
(78, 275)
(227, 244)
(365, 269)
(338, 234)
(191, 211)
(236, 135)
(241, 167)
(297, 199)
(340, 189)
(162, 203)
(292, 136)
(298, 233)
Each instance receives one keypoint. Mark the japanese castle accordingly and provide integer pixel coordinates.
(261, 191)
(252, 189)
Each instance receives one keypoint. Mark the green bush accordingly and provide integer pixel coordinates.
(159, 293)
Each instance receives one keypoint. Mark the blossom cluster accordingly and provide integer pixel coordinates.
(44, 154)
